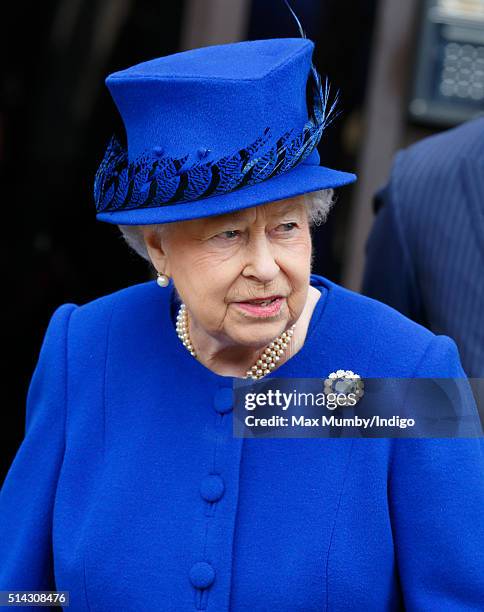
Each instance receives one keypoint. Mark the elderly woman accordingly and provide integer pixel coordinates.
(129, 490)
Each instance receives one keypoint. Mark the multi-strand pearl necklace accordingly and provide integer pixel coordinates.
(268, 359)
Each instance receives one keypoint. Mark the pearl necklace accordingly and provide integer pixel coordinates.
(267, 360)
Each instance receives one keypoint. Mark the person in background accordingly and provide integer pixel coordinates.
(425, 253)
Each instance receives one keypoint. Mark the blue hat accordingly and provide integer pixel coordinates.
(215, 130)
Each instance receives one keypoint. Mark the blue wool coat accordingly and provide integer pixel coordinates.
(130, 491)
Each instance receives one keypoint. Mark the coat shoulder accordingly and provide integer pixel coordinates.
(126, 300)
(93, 321)
(444, 149)
(429, 171)
(376, 319)
(370, 332)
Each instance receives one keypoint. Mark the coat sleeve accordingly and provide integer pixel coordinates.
(436, 498)
(28, 492)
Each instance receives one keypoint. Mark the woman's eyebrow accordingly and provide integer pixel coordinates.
(233, 217)
(223, 220)
(215, 224)
(241, 215)
(290, 207)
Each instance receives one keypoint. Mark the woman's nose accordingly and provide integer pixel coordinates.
(260, 260)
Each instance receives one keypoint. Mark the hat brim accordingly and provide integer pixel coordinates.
(300, 180)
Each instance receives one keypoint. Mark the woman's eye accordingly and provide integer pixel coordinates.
(287, 227)
(228, 234)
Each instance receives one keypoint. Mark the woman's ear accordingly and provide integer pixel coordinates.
(156, 247)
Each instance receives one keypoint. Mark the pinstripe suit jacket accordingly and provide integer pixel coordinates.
(425, 254)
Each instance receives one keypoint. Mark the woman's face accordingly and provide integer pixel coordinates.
(220, 264)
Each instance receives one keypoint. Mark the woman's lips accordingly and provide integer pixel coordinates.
(259, 310)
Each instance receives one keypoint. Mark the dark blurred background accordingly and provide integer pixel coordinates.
(387, 59)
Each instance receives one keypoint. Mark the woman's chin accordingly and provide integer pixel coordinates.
(257, 336)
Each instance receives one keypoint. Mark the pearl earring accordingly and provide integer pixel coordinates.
(162, 280)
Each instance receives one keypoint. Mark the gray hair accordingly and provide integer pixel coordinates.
(318, 204)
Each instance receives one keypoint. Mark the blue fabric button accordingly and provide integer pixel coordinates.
(202, 575)
(223, 401)
(212, 487)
